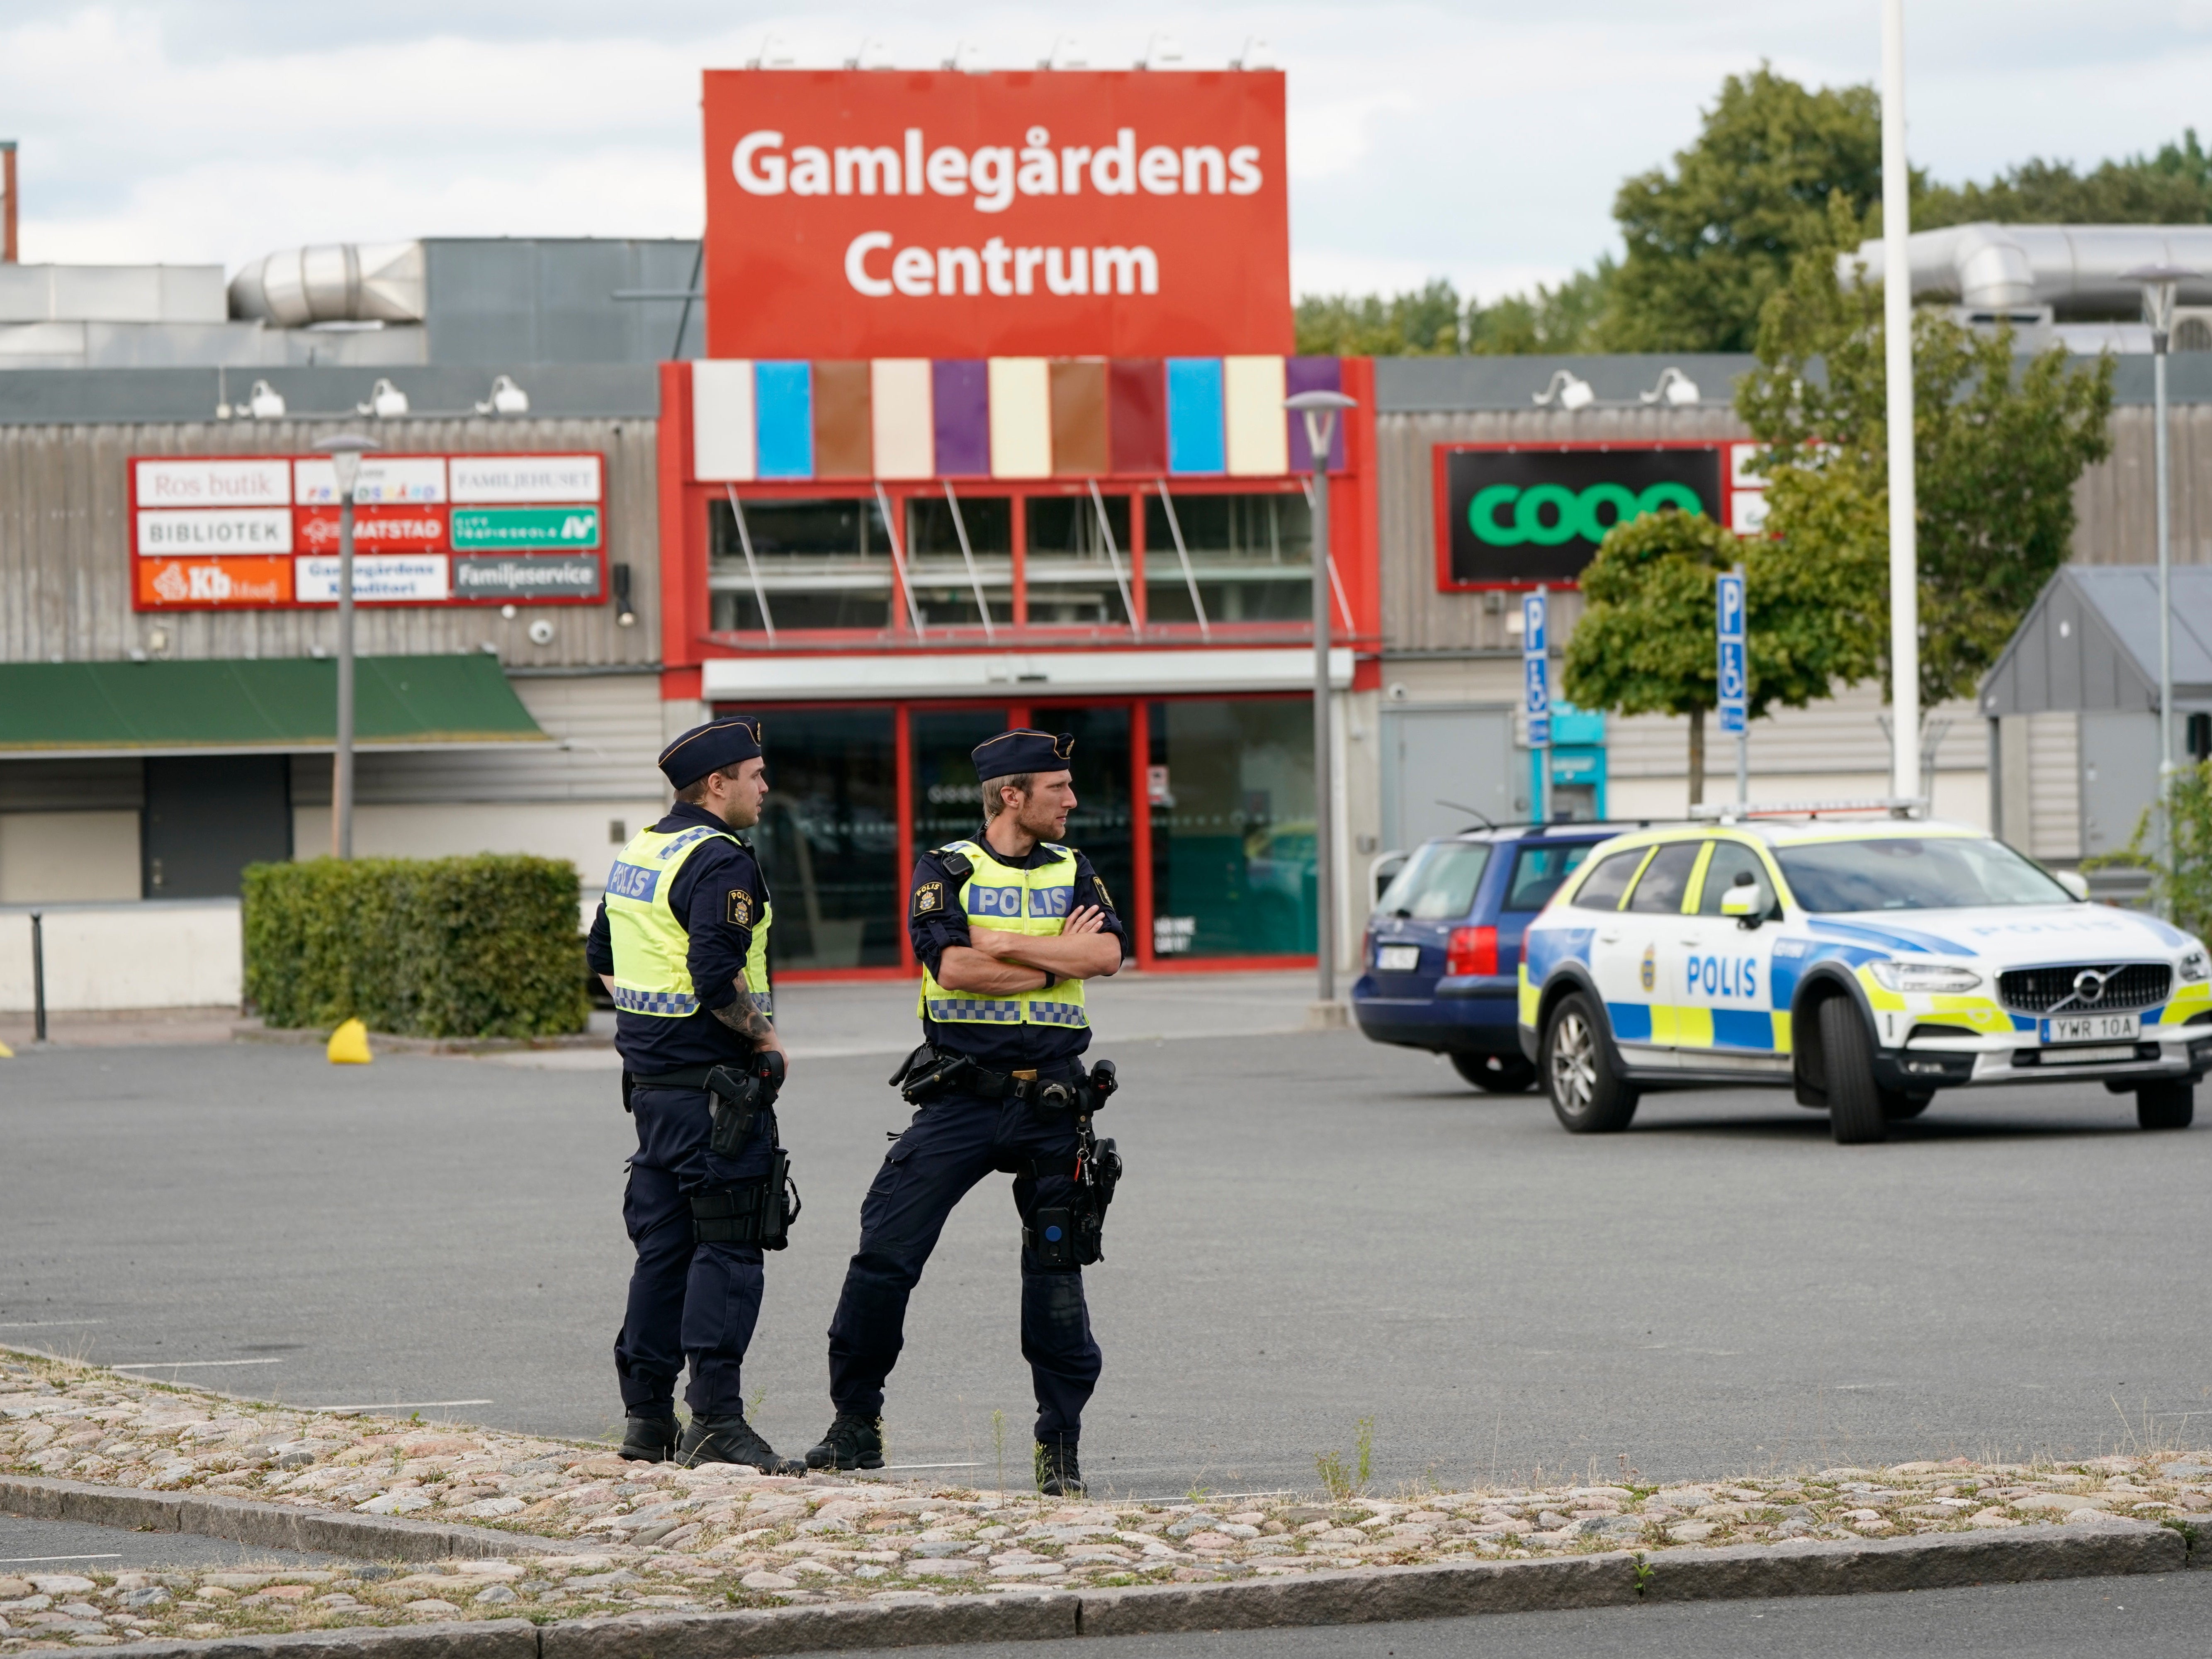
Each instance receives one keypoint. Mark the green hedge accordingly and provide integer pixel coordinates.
(482, 946)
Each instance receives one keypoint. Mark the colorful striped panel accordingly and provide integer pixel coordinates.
(1195, 433)
(722, 420)
(783, 406)
(843, 439)
(1258, 439)
(1079, 447)
(1137, 413)
(1313, 374)
(960, 413)
(1020, 417)
(899, 407)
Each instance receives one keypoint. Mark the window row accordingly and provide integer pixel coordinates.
(1098, 561)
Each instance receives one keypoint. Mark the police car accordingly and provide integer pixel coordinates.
(1865, 961)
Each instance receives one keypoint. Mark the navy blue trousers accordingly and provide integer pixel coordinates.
(687, 1301)
(954, 1141)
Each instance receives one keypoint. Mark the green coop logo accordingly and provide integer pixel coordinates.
(1506, 516)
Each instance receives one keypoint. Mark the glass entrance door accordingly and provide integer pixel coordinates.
(1101, 824)
(946, 803)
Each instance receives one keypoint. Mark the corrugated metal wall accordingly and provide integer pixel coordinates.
(2115, 501)
(65, 547)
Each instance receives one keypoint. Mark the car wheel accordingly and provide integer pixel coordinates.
(1588, 1093)
(1898, 1104)
(1855, 1113)
(2167, 1105)
(1497, 1074)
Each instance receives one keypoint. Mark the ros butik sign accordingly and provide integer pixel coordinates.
(249, 533)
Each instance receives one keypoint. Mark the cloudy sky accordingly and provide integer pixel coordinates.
(1481, 141)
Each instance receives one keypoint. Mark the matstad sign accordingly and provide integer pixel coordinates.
(231, 533)
(885, 213)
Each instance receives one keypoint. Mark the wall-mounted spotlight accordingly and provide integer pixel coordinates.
(1163, 52)
(507, 398)
(385, 401)
(1674, 388)
(1567, 391)
(264, 402)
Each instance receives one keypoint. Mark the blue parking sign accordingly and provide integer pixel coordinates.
(1732, 668)
(1536, 668)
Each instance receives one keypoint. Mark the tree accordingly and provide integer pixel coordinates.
(1707, 245)
(1645, 643)
(2173, 187)
(1421, 324)
(1997, 445)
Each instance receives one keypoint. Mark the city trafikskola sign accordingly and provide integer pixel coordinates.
(883, 212)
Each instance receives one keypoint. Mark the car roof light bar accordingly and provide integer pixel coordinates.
(1736, 812)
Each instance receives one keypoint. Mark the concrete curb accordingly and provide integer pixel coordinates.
(268, 1525)
(1619, 1578)
(252, 1030)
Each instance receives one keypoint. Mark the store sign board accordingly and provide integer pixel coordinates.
(526, 578)
(224, 532)
(378, 579)
(259, 481)
(1514, 515)
(525, 478)
(872, 213)
(185, 584)
(224, 529)
(385, 480)
(375, 529)
(513, 528)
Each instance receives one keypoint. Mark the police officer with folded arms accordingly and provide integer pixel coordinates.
(681, 941)
(1007, 926)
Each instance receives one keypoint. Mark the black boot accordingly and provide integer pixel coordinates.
(852, 1443)
(649, 1440)
(732, 1440)
(1058, 1474)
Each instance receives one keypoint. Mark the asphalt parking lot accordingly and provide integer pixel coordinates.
(1314, 1230)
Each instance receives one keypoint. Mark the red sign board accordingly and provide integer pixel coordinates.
(885, 213)
(246, 532)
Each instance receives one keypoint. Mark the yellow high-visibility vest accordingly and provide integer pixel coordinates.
(1036, 902)
(651, 949)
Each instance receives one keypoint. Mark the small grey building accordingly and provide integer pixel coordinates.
(2073, 707)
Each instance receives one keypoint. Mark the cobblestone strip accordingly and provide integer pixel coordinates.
(466, 1528)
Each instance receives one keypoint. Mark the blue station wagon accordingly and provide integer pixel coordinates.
(1440, 964)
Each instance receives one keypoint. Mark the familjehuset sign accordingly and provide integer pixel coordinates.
(881, 213)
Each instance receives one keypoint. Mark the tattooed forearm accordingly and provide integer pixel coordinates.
(746, 1020)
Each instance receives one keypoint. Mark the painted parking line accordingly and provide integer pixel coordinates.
(32, 1561)
(44, 1324)
(391, 1406)
(186, 1365)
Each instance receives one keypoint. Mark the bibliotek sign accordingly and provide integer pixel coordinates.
(226, 533)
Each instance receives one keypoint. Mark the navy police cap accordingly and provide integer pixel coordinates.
(1011, 753)
(709, 748)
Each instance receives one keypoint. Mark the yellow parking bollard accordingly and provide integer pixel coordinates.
(6, 1053)
(348, 1045)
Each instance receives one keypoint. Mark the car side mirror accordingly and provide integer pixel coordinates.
(1748, 901)
(2074, 882)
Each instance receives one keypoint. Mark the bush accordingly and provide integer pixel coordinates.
(482, 946)
(2181, 881)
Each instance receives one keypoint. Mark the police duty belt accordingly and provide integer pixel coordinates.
(928, 1072)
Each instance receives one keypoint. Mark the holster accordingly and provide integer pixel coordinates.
(737, 1099)
(757, 1211)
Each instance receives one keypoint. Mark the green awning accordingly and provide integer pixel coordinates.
(64, 710)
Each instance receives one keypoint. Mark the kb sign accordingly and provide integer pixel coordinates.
(1517, 514)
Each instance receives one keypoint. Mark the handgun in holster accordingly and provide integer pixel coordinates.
(736, 1097)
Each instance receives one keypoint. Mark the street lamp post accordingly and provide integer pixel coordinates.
(2160, 284)
(1320, 410)
(345, 452)
(1897, 370)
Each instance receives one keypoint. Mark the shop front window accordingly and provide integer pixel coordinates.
(1250, 557)
(1077, 574)
(1100, 827)
(814, 564)
(828, 838)
(944, 585)
(1230, 785)
(948, 799)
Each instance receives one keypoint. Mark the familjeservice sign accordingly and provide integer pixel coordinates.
(1515, 514)
(231, 533)
(886, 213)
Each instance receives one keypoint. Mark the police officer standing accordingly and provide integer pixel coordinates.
(1007, 927)
(681, 941)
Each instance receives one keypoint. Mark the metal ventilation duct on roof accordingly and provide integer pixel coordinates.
(2077, 270)
(337, 283)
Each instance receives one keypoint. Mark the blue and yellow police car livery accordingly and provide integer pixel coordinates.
(1865, 964)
